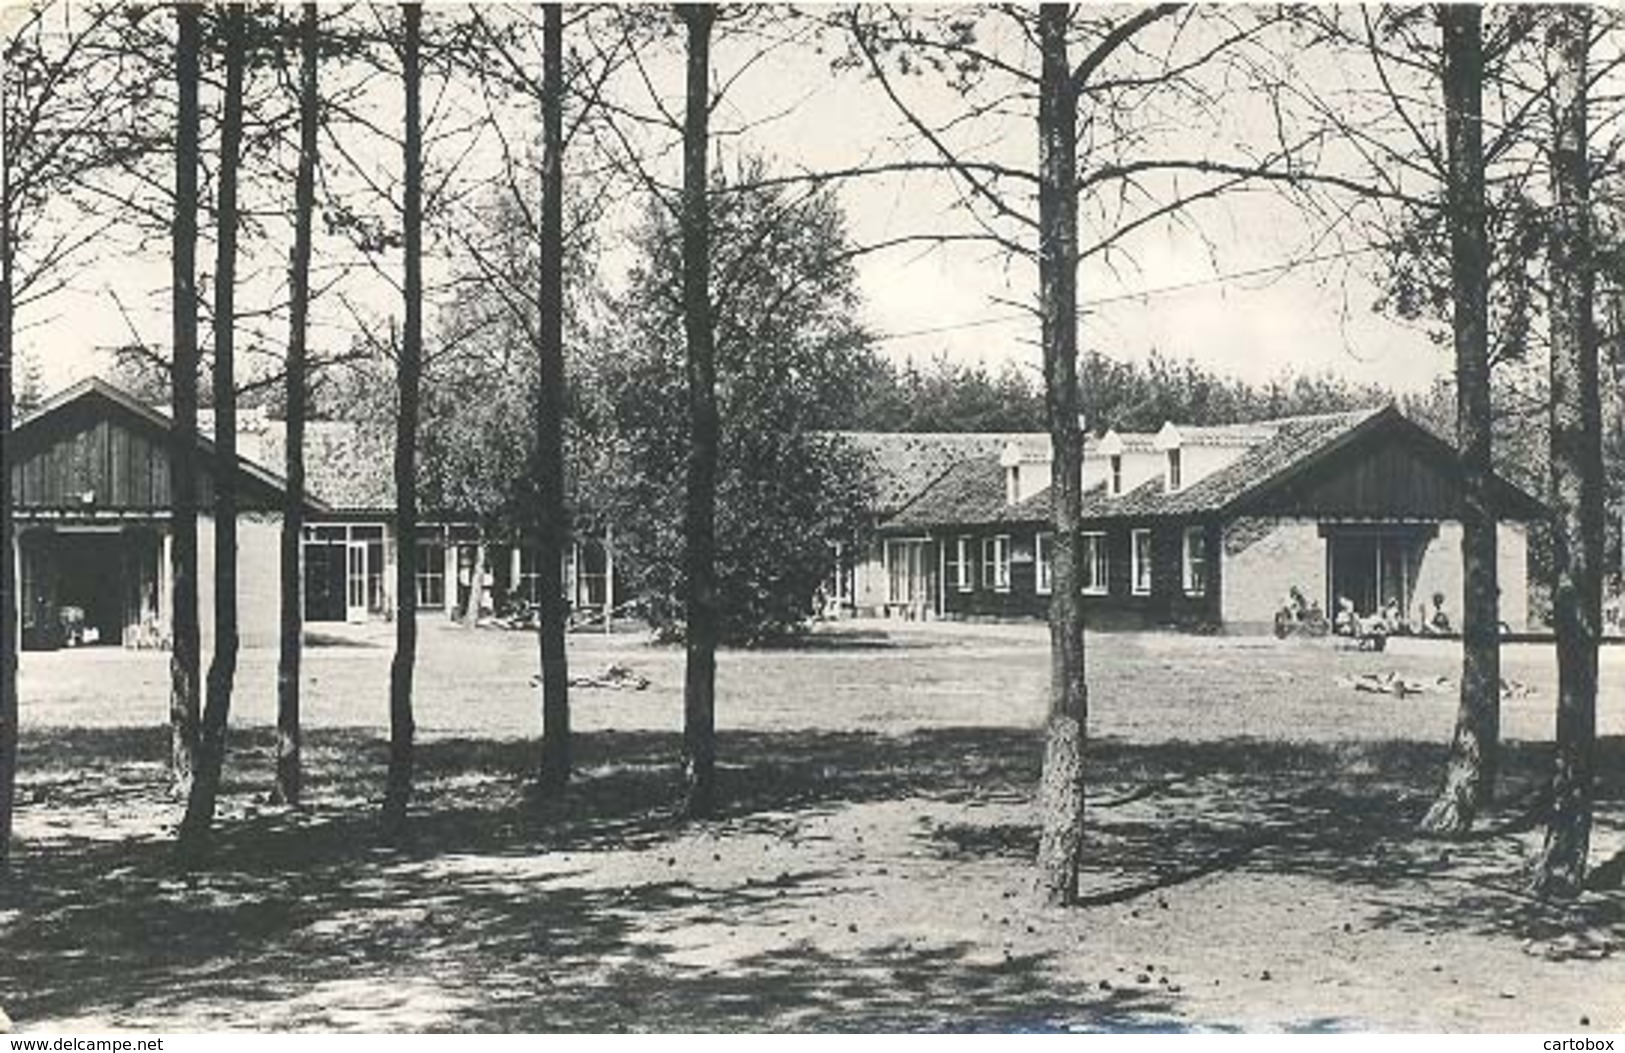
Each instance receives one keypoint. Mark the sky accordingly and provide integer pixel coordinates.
(1168, 292)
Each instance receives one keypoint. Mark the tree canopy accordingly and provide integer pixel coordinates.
(790, 360)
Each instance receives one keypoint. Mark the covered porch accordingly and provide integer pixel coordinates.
(83, 584)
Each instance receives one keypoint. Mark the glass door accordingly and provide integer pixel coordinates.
(355, 582)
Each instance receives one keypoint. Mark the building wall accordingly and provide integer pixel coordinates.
(1166, 605)
(1512, 571)
(259, 562)
(1021, 600)
(1440, 571)
(1263, 557)
(869, 581)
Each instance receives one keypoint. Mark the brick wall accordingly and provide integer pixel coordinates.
(1261, 558)
(258, 565)
(1440, 571)
(259, 568)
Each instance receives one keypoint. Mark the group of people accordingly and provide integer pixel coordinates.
(1300, 615)
(1390, 620)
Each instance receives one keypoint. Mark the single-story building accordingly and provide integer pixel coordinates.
(1207, 527)
(904, 464)
(89, 478)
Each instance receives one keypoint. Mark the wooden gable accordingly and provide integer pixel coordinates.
(93, 450)
(1393, 469)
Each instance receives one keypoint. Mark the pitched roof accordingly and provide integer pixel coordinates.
(906, 463)
(349, 467)
(1230, 434)
(1280, 445)
(972, 493)
(152, 420)
(1132, 441)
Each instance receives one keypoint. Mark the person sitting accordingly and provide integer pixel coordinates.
(1393, 621)
(1347, 622)
(72, 620)
(1438, 622)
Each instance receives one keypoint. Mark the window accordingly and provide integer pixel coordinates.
(905, 571)
(431, 574)
(1117, 474)
(1195, 561)
(960, 570)
(1175, 475)
(1045, 547)
(377, 602)
(996, 563)
(1094, 565)
(1012, 484)
(1140, 561)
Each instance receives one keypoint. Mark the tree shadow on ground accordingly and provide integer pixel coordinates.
(315, 922)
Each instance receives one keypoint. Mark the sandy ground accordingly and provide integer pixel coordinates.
(1252, 863)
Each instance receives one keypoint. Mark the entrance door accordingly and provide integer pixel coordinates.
(355, 582)
(907, 577)
(1354, 573)
(1373, 570)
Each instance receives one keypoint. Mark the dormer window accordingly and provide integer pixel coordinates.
(1011, 460)
(1169, 441)
(1111, 447)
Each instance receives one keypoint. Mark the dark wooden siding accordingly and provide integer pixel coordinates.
(983, 601)
(1167, 603)
(1386, 476)
(91, 447)
(1120, 608)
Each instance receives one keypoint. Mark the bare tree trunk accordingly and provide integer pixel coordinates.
(555, 524)
(699, 520)
(289, 787)
(1469, 781)
(185, 659)
(1061, 795)
(10, 715)
(398, 787)
(200, 803)
(1576, 493)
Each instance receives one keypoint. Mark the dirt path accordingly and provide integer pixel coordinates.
(1254, 865)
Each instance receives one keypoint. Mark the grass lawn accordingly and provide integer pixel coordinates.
(1252, 863)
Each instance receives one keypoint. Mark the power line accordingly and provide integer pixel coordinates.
(1161, 290)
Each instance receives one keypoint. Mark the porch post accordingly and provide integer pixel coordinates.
(942, 576)
(609, 580)
(515, 562)
(448, 563)
(165, 599)
(885, 575)
(392, 545)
